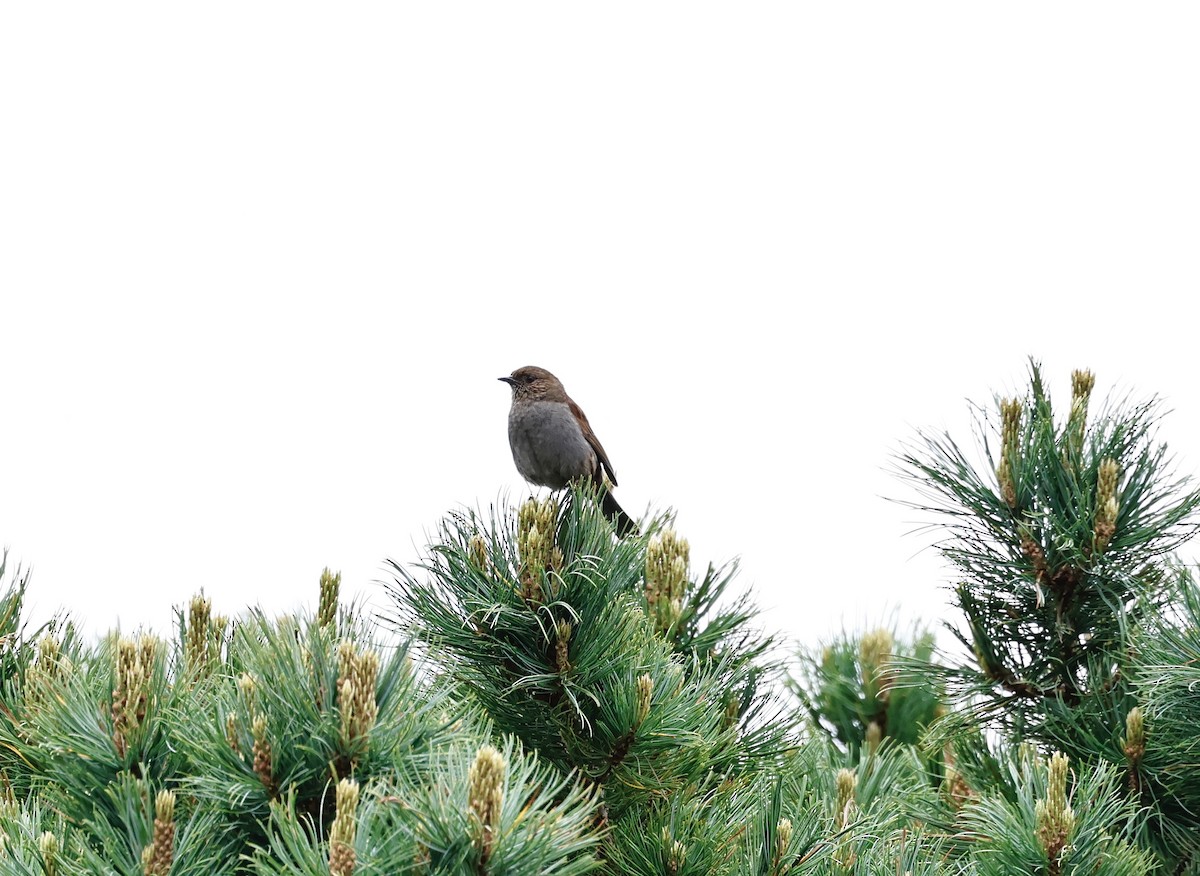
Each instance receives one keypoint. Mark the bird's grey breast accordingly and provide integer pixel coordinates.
(548, 446)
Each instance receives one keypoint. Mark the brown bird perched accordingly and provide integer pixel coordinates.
(553, 444)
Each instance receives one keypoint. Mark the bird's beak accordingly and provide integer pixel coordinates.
(508, 380)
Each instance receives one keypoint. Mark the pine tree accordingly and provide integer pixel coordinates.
(547, 698)
(604, 657)
(1071, 602)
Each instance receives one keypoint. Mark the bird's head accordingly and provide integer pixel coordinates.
(534, 383)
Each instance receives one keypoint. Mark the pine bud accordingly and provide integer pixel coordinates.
(1134, 742)
(263, 766)
(875, 652)
(1082, 383)
(45, 674)
(563, 637)
(342, 858)
(357, 678)
(1107, 507)
(1010, 442)
(164, 806)
(49, 848)
(675, 851)
(1033, 550)
(477, 550)
(667, 558)
(844, 816)
(956, 788)
(157, 857)
(331, 586)
(783, 839)
(196, 646)
(874, 736)
(536, 526)
(248, 688)
(231, 732)
(1055, 819)
(49, 650)
(131, 691)
(1010, 423)
(148, 648)
(486, 797)
(345, 699)
(645, 693)
(847, 781)
(532, 566)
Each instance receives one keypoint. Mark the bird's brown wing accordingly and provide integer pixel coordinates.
(593, 441)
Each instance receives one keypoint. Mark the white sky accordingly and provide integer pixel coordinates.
(261, 265)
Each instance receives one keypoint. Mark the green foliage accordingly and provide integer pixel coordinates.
(863, 689)
(608, 660)
(196, 841)
(1049, 830)
(18, 650)
(562, 701)
(227, 722)
(14, 643)
(294, 721)
(1063, 540)
(1051, 585)
(104, 715)
(1159, 748)
(430, 821)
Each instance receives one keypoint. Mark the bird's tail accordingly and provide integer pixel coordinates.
(616, 514)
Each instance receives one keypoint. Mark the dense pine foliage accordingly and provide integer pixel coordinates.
(545, 698)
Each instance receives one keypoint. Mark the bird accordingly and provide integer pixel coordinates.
(553, 444)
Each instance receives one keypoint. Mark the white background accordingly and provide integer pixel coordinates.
(261, 265)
